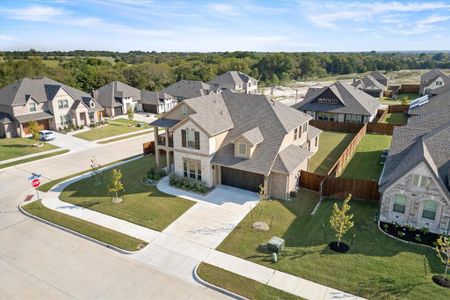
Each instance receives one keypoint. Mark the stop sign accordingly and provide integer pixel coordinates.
(35, 183)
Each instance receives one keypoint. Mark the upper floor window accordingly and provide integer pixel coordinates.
(63, 103)
(419, 181)
(32, 106)
(327, 101)
(92, 104)
(190, 138)
(399, 204)
(242, 149)
(316, 140)
(429, 209)
(305, 127)
(295, 133)
(438, 82)
(184, 110)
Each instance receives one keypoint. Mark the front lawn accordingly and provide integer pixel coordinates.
(114, 127)
(375, 267)
(395, 118)
(143, 205)
(16, 147)
(331, 146)
(92, 230)
(365, 163)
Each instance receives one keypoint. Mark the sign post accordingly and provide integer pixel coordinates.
(35, 182)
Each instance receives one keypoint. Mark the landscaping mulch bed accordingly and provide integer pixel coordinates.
(415, 235)
(441, 280)
(342, 248)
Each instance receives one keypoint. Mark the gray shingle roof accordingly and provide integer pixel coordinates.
(380, 77)
(290, 158)
(5, 118)
(370, 83)
(154, 98)
(110, 95)
(232, 78)
(432, 75)
(34, 117)
(313, 132)
(353, 100)
(42, 89)
(440, 101)
(254, 136)
(185, 89)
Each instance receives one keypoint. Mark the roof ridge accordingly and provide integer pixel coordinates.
(436, 130)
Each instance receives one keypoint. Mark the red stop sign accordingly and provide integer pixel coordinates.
(35, 183)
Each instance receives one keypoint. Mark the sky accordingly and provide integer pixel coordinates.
(206, 26)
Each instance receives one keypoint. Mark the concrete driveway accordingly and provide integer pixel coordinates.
(72, 143)
(38, 261)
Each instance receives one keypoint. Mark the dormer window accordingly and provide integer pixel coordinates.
(184, 110)
(419, 181)
(92, 104)
(438, 82)
(32, 106)
(242, 149)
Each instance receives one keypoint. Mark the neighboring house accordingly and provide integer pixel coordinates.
(157, 102)
(116, 97)
(415, 182)
(239, 140)
(235, 81)
(339, 102)
(185, 89)
(371, 85)
(432, 80)
(380, 77)
(52, 104)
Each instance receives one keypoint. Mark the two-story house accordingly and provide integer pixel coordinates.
(157, 102)
(241, 140)
(339, 102)
(431, 80)
(185, 89)
(374, 84)
(116, 97)
(235, 81)
(52, 104)
(415, 182)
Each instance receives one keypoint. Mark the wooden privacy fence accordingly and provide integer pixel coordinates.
(409, 88)
(381, 116)
(148, 147)
(336, 126)
(359, 188)
(380, 128)
(398, 108)
(310, 181)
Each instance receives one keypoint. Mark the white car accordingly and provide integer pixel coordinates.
(46, 135)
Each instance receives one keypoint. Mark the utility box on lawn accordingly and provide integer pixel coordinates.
(275, 244)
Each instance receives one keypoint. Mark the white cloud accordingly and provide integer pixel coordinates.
(433, 19)
(35, 13)
(225, 9)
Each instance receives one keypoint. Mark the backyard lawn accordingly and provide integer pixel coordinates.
(390, 101)
(365, 163)
(331, 146)
(115, 127)
(395, 118)
(375, 267)
(16, 147)
(143, 205)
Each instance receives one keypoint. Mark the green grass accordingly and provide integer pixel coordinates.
(115, 127)
(395, 118)
(143, 205)
(390, 101)
(95, 231)
(365, 162)
(22, 161)
(376, 266)
(16, 147)
(47, 186)
(331, 146)
(240, 285)
(125, 137)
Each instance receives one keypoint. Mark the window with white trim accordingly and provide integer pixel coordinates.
(399, 204)
(419, 181)
(65, 120)
(429, 209)
(63, 103)
(32, 106)
(242, 149)
(184, 110)
(192, 168)
(190, 137)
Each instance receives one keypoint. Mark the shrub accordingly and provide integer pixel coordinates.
(155, 173)
(409, 227)
(400, 234)
(386, 227)
(82, 127)
(188, 183)
(418, 238)
(424, 230)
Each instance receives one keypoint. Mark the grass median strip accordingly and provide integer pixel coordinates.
(240, 285)
(92, 230)
(126, 137)
(22, 161)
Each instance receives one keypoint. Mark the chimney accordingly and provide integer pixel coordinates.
(273, 102)
(92, 93)
(354, 79)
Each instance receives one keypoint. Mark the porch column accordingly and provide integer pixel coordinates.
(266, 187)
(166, 137)
(168, 161)
(155, 133)
(22, 133)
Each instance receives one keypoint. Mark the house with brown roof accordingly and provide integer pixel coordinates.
(339, 102)
(415, 182)
(432, 80)
(240, 140)
(50, 103)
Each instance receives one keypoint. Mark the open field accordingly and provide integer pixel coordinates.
(375, 267)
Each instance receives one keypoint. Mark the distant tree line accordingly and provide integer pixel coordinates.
(89, 70)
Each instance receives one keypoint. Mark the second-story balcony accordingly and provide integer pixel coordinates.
(162, 140)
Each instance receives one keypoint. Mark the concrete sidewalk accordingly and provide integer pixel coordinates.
(178, 256)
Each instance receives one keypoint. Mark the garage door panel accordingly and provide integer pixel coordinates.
(242, 179)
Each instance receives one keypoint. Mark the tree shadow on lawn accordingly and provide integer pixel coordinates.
(18, 146)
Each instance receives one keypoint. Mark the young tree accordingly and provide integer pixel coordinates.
(130, 114)
(340, 221)
(405, 100)
(34, 130)
(443, 251)
(116, 183)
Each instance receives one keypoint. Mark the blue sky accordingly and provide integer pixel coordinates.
(254, 25)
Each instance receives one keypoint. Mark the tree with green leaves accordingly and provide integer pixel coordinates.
(34, 129)
(340, 221)
(130, 114)
(405, 100)
(443, 251)
(116, 184)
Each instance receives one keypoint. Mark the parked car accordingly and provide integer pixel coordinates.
(383, 157)
(46, 135)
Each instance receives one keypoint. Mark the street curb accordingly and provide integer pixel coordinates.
(214, 287)
(115, 248)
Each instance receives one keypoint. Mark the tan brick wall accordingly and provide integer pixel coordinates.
(207, 172)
